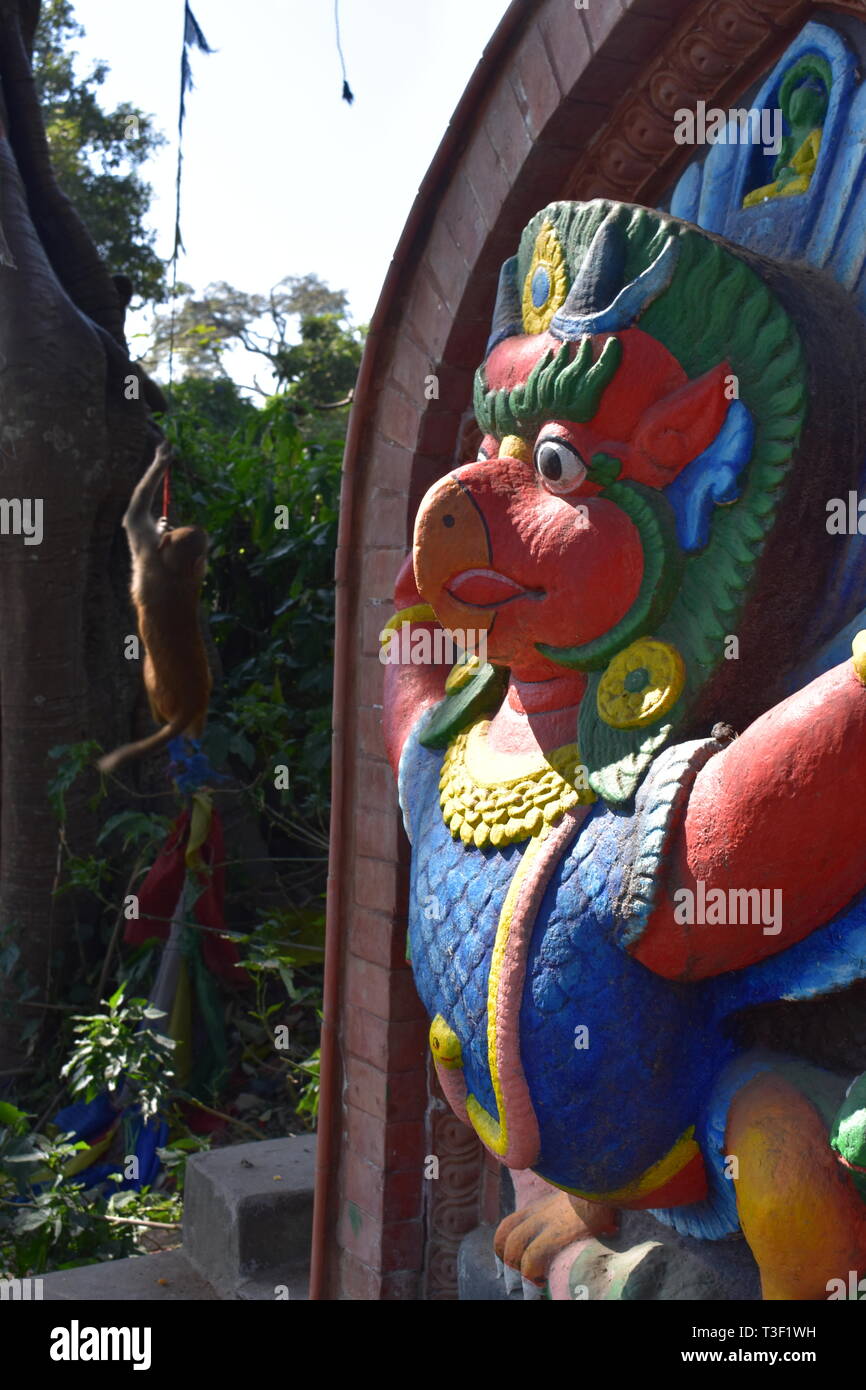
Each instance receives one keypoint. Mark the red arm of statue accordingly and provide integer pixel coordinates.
(410, 687)
(781, 808)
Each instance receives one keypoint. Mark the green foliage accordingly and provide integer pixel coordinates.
(50, 1221)
(121, 1047)
(300, 329)
(97, 155)
(270, 587)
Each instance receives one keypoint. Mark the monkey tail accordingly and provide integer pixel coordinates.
(109, 762)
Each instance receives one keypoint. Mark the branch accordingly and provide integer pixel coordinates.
(140, 1221)
(335, 405)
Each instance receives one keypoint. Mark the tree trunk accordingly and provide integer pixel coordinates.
(70, 437)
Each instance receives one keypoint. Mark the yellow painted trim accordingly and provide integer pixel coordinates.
(420, 613)
(462, 673)
(682, 1153)
(492, 1132)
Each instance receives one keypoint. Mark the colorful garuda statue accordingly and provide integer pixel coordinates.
(636, 803)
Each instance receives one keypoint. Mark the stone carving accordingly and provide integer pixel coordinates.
(627, 831)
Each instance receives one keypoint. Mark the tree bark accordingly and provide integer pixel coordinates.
(70, 437)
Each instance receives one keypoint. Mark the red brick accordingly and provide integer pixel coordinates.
(504, 123)
(669, 10)
(486, 175)
(455, 385)
(358, 1281)
(534, 81)
(379, 883)
(405, 1044)
(405, 1145)
(601, 21)
(397, 1147)
(397, 1245)
(380, 832)
(406, 1096)
(446, 264)
(386, 1197)
(575, 123)
(365, 1136)
(402, 1246)
(404, 1195)
(490, 1196)
(390, 994)
(398, 416)
(390, 466)
(370, 734)
(376, 779)
(606, 81)
(566, 40)
(404, 1286)
(366, 1086)
(370, 682)
(464, 218)
(375, 613)
(426, 313)
(379, 568)
(426, 472)
(635, 39)
(438, 432)
(365, 1186)
(378, 938)
(408, 1044)
(364, 1034)
(410, 368)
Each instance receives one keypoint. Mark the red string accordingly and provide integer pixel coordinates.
(166, 492)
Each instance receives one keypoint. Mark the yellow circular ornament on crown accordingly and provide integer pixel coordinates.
(545, 288)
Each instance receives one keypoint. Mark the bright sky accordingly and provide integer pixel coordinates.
(282, 177)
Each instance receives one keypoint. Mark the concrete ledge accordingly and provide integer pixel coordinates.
(167, 1277)
(247, 1224)
(248, 1213)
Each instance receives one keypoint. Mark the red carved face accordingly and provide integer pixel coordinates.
(520, 544)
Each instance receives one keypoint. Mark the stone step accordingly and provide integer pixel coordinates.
(248, 1211)
(247, 1226)
(165, 1277)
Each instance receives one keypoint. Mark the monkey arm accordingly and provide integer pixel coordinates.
(138, 520)
(409, 688)
(781, 808)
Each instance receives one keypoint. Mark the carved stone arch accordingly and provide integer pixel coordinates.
(565, 103)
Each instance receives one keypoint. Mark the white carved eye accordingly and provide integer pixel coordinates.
(558, 464)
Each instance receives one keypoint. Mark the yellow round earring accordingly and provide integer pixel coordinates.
(641, 684)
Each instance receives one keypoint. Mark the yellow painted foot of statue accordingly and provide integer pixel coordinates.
(527, 1242)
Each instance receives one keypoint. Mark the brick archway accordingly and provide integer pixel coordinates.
(565, 103)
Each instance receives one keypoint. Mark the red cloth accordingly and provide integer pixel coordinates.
(159, 894)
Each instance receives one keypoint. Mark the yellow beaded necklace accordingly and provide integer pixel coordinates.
(490, 799)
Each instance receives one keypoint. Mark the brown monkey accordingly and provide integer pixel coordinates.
(168, 567)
